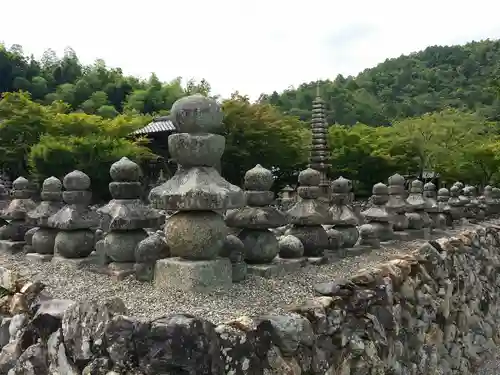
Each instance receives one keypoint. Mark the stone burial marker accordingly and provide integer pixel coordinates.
(196, 232)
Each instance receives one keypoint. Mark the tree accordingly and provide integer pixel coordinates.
(259, 133)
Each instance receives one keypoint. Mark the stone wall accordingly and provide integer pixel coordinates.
(432, 312)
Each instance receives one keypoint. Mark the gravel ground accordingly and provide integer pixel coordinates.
(252, 297)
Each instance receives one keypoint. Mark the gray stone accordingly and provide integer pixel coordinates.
(377, 215)
(290, 247)
(74, 244)
(278, 267)
(186, 275)
(39, 258)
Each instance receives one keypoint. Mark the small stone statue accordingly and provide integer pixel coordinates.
(308, 215)
(396, 205)
(126, 218)
(255, 219)
(13, 233)
(419, 221)
(75, 239)
(341, 214)
(377, 215)
(432, 208)
(443, 197)
(456, 205)
(43, 239)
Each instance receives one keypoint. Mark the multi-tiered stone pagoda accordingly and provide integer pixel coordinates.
(196, 232)
(319, 159)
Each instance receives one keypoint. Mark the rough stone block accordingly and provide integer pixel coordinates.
(277, 267)
(11, 247)
(187, 275)
(8, 279)
(39, 258)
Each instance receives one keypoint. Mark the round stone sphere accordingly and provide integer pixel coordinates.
(20, 183)
(195, 235)
(313, 238)
(76, 180)
(258, 178)
(290, 247)
(415, 221)
(152, 248)
(261, 246)
(52, 184)
(125, 170)
(120, 246)
(43, 240)
(309, 177)
(396, 180)
(334, 239)
(197, 114)
(350, 236)
(340, 185)
(74, 244)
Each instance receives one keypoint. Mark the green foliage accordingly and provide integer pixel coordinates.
(463, 77)
(260, 134)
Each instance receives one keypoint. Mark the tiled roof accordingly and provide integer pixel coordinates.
(160, 124)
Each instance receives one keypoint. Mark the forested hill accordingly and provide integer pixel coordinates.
(460, 76)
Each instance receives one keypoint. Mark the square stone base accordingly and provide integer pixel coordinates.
(38, 258)
(191, 275)
(278, 266)
(11, 247)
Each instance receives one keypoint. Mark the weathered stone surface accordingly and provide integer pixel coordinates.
(431, 311)
(290, 247)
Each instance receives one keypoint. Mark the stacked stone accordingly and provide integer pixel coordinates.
(255, 219)
(308, 215)
(418, 219)
(126, 217)
(341, 214)
(487, 201)
(75, 239)
(432, 208)
(43, 239)
(396, 205)
(443, 197)
(464, 201)
(495, 192)
(196, 232)
(4, 202)
(286, 200)
(473, 207)
(319, 149)
(377, 215)
(12, 234)
(456, 205)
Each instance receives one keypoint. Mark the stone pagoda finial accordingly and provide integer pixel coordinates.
(319, 159)
(196, 232)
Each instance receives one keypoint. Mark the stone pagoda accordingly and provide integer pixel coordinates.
(432, 208)
(196, 232)
(419, 221)
(4, 202)
(341, 215)
(319, 157)
(257, 217)
(487, 200)
(75, 238)
(126, 217)
(308, 215)
(396, 206)
(377, 215)
(495, 196)
(286, 200)
(43, 239)
(443, 197)
(457, 209)
(12, 234)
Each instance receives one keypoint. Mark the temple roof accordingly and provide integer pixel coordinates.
(159, 124)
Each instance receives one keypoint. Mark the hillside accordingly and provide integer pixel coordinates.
(460, 76)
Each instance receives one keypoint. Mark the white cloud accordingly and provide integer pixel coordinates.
(251, 46)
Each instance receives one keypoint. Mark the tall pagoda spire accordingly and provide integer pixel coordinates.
(319, 158)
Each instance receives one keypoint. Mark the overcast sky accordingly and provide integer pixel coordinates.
(251, 46)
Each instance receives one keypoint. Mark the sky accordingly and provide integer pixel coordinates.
(253, 46)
